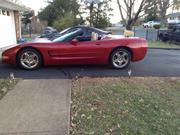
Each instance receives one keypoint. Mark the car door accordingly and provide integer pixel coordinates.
(85, 52)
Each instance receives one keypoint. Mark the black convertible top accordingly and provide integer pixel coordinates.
(85, 29)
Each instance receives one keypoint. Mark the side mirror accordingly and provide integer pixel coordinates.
(74, 41)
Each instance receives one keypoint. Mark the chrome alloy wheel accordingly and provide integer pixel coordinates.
(29, 59)
(120, 59)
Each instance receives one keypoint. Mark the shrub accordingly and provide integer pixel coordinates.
(68, 20)
(157, 26)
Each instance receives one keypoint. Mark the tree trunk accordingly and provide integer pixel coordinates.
(164, 5)
(91, 14)
(163, 17)
(129, 26)
(130, 23)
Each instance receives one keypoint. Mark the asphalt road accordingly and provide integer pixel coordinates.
(158, 62)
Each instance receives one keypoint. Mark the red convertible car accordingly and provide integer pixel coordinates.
(73, 48)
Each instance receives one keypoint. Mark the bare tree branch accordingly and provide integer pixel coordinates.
(121, 13)
(163, 5)
(133, 16)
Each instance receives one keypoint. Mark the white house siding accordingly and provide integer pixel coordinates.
(174, 17)
(7, 29)
(174, 20)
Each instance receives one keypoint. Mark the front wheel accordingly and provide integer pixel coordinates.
(120, 58)
(29, 59)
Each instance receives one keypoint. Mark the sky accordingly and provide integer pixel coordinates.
(38, 4)
(35, 4)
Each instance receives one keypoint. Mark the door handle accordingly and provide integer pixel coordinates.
(98, 44)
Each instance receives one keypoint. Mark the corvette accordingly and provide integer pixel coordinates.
(74, 48)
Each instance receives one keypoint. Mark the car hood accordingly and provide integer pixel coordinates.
(37, 40)
(9, 47)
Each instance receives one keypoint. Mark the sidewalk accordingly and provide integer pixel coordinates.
(36, 107)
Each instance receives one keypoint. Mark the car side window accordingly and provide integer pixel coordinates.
(83, 38)
(88, 33)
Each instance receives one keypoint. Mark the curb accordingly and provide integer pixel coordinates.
(164, 48)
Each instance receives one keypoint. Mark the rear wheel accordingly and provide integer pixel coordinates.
(29, 59)
(120, 58)
(162, 38)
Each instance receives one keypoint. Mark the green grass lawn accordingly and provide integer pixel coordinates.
(6, 85)
(122, 106)
(159, 44)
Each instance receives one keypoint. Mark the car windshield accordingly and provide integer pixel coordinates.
(68, 36)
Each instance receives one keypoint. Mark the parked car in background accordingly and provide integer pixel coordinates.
(172, 25)
(76, 48)
(48, 32)
(172, 34)
(151, 24)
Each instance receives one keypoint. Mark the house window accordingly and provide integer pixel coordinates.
(4, 12)
(8, 14)
(171, 18)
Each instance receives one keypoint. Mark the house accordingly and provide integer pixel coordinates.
(173, 18)
(10, 22)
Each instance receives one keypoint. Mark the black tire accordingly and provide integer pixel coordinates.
(19, 55)
(113, 55)
(162, 38)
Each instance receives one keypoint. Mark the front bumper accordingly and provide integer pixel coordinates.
(5, 59)
(9, 56)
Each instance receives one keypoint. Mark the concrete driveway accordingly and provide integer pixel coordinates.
(158, 62)
(36, 107)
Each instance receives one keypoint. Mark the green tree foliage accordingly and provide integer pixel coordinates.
(152, 12)
(58, 9)
(68, 20)
(163, 7)
(102, 21)
(98, 13)
(101, 18)
(176, 4)
(26, 17)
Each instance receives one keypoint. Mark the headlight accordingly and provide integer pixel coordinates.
(5, 57)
